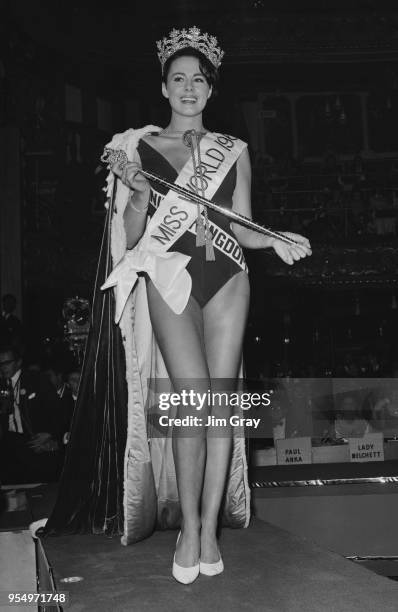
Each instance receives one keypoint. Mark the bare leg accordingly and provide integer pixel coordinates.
(181, 341)
(224, 325)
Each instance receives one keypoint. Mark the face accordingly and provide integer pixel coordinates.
(186, 89)
(8, 364)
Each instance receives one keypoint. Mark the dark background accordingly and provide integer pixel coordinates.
(312, 88)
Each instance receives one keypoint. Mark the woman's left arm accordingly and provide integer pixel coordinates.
(254, 240)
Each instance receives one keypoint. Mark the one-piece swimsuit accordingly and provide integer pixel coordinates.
(207, 276)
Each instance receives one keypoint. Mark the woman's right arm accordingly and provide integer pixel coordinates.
(135, 213)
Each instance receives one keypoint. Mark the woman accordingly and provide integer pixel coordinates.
(200, 336)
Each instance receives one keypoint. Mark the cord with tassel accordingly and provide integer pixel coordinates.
(203, 232)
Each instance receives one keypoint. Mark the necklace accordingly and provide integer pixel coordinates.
(182, 132)
(187, 136)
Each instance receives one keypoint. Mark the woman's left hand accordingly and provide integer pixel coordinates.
(289, 253)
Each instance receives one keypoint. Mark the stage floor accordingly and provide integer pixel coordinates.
(266, 569)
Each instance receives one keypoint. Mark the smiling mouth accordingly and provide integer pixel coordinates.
(188, 100)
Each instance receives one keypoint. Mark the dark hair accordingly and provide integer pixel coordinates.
(209, 71)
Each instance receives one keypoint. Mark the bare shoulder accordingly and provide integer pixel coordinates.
(244, 166)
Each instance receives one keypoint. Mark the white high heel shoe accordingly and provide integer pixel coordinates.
(185, 575)
(211, 569)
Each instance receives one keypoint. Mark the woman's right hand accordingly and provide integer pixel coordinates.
(131, 177)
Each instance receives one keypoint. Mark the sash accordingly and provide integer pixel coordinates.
(222, 240)
(173, 217)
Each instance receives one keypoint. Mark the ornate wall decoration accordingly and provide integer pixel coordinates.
(341, 266)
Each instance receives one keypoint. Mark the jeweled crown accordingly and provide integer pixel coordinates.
(180, 39)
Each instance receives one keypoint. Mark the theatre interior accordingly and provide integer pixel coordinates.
(312, 87)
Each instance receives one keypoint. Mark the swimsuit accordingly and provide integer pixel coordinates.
(207, 276)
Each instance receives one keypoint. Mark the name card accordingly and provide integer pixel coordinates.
(368, 448)
(293, 451)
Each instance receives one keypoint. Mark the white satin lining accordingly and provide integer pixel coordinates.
(167, 271)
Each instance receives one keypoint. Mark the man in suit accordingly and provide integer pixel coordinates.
(28, 423)
(10, 325)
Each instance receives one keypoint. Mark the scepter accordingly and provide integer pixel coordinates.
(118, 156)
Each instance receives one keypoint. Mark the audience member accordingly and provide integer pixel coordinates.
(30, 451)
(349, 421)
(10, 325)
(64, 375)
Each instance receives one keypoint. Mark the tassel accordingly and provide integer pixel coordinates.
(203, 234)
(210, 256)
(200, 230)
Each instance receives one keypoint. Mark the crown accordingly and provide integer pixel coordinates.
(181, 39)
